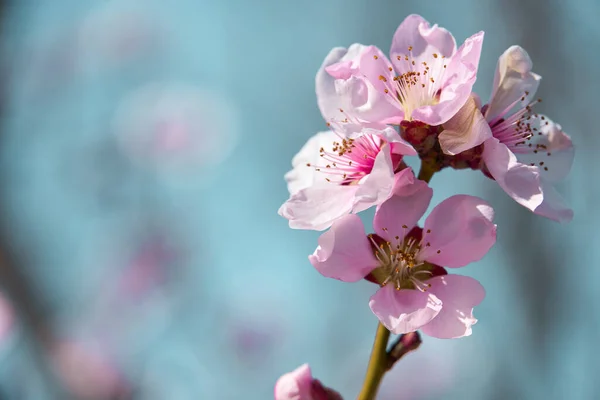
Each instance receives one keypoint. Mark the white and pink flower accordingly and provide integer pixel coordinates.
(525, 152)
(528, 152)
(337, 173)
(416, 291)
(428, 79)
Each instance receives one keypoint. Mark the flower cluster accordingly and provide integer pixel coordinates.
(419, 102)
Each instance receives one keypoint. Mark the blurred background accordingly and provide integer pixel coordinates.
(142, 151)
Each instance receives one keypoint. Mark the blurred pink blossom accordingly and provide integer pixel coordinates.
(7, 319)
(118, 32)
(150, 266)
(86, 370)
(300, 385)
(176, 125)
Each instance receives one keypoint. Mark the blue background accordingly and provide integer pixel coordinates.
(240, 304)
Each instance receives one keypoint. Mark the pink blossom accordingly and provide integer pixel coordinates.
(300, 385)
(427, 79)
(335, 174)
(416, 292)
(526, 153)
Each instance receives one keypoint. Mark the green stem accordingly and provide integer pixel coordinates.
(378, 365)
(381, 361)
(426, 172)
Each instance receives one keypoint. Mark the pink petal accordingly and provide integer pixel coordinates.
(317, 207)
(403, 311)
(408, 204)
(521, 182)
(415, 32)
(467, 129)
(459, 295)
(553, 206)
(342, 63)
(375, 66)
(459, 231)
(362, 100)
(344, 251)
(302, 176)
(340, 86)
(457, 83)
(531, 186)
(295, 385)
(399, 145)
(327, 98)
(556, 143)
(513, 78)
(376, 187)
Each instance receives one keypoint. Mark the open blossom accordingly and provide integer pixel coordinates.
(426, 79)
(416, 291)
(335, 174)
(527, 152)
(300, 385)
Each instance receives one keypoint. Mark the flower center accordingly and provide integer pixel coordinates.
(349, 159)
(520, 130)
(419, 84)
(400, 264)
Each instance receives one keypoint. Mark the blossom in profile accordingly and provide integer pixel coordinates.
(410, 263)
(426, 79)
(526, 153)
(337, 173)
(300, 385)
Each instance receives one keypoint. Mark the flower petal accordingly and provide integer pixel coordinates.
(345, 94)
(376, 187)
(399, 145)
(424, 40)
(317, 207)
(344, 251)
(458, 80)
(512, 80)
(403, 311)
(327, 98)
(521, 182)
(459, 295)
(553, 206)
(364, 102)
(467, 129)
(342, 63)
(408, 204)
(295, 385)
(555, 151)
(459, 231)
(303, 176)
